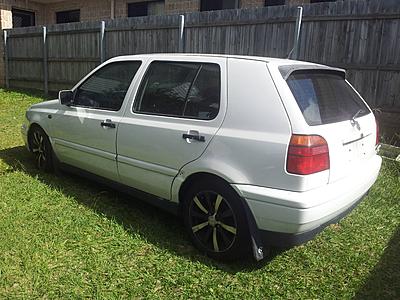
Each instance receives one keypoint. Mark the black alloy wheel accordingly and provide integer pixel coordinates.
(40, 147)
(215, 220)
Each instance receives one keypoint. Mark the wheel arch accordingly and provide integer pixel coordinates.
(31, 127)
(184, 187)
(256, 241)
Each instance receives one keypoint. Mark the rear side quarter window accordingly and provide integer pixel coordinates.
(180, 89)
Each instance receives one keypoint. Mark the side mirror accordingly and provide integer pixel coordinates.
(66, 97)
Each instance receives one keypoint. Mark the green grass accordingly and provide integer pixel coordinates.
(65, 237)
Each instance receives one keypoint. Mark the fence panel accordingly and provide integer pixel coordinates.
(361, 36)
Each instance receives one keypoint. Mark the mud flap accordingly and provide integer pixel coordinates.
(256, 241)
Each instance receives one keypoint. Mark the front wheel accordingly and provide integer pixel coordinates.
(40, 147)
(215, 220)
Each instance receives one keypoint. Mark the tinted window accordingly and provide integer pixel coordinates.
(325, 97)
(68, 16)
(207, 5)
(139, 9)
(274, 2)
(180, 89)
(203, 98)
(22, 18)
(106, 88)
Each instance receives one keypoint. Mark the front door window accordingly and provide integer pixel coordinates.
(106, 89)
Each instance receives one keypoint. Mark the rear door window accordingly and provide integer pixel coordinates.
(180, 89)
(325, 97)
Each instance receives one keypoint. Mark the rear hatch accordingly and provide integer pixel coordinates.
(335, 111)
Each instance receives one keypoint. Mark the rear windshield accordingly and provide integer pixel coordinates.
(325, 97)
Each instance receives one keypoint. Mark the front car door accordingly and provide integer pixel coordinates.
(85, 132)
(177, 109)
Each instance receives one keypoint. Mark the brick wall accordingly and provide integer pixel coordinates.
(181, 6)
(90, 10)
(251, 3)
(37, 8)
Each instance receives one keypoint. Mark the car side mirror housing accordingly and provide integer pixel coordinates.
(66, 97)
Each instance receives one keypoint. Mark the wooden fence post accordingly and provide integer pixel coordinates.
(45, 64)
(102, 42)
(181, 47)
(7, 75)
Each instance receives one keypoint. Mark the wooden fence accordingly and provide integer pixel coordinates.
(360, 36)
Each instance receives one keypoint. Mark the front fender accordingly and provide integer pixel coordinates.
(39, 119)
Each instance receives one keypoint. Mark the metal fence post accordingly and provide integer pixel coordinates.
(294, 54)
(7, 75)
(181, 47)
(102, 42)
(45, 64)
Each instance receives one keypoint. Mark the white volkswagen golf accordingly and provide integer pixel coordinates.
(252, 152)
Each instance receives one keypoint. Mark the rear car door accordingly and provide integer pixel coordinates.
(178, 108)
(85, 132)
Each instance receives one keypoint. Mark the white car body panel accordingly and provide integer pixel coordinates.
(151, 150)
(80, 140)
(246, 145)
(297, 212)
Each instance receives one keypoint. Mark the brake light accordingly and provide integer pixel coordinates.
(307, 154)
(377, 132)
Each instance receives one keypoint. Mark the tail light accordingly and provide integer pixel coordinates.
(307, 154)
(377, 132)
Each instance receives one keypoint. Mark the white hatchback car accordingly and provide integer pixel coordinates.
(251, 151)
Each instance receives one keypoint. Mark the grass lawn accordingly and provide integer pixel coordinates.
(66, 237)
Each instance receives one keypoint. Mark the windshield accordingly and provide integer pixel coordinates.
(325, 97)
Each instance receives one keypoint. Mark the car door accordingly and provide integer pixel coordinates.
(178, 108)
(85, 132)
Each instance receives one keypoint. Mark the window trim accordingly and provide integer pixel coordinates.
(201, 63)
(90, 75)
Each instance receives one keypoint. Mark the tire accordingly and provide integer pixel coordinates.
(41, 149)
(215, 220)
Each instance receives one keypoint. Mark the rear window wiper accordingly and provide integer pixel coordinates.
(353, 119)
(360, 111)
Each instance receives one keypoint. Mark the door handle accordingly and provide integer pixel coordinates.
(107, 123)
(195, 137)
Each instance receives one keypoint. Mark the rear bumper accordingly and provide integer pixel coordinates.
(287, 240)
(287, 218)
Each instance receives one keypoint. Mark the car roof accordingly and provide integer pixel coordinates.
(269, 60)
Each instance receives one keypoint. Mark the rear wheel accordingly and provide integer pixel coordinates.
(215, 220)
(41, 149)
